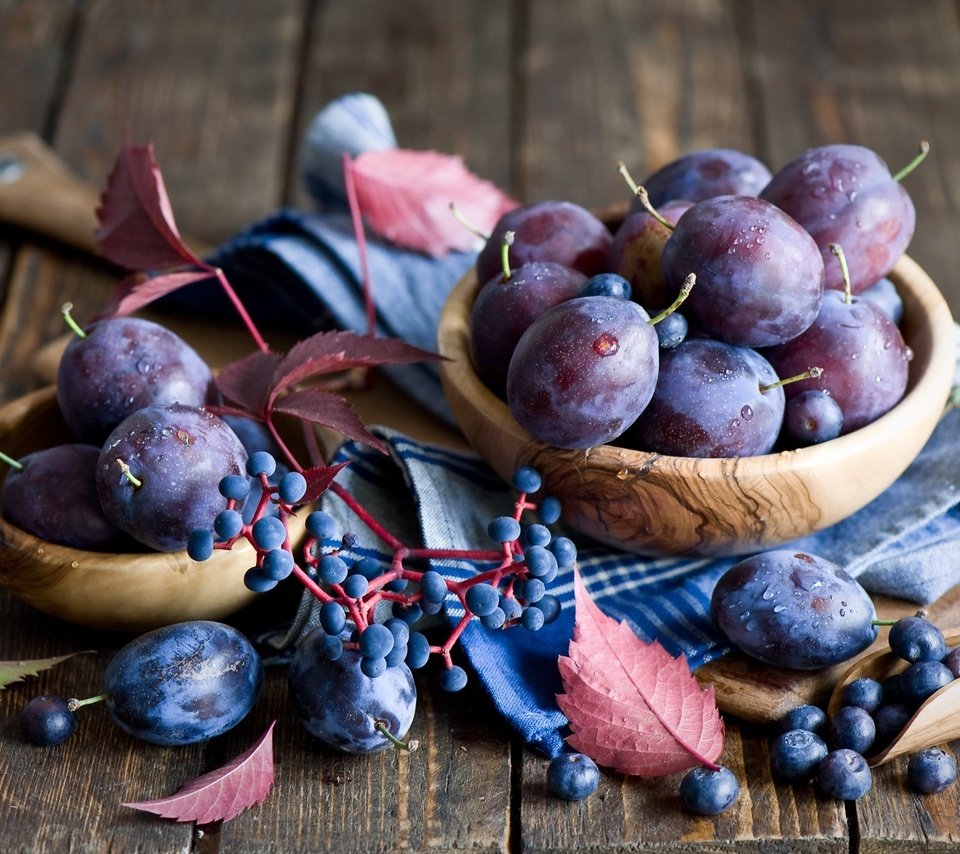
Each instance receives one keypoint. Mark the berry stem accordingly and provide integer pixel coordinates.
(455, 634)
(240, 308)
(68, 319)
(837, 250)
(10, 461)
(913, 164)
(365, 516)
(312, 585)
(356, 217)
(810, 374)
(73, 703)
(685, 289)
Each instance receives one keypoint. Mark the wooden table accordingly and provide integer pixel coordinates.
(542, 97)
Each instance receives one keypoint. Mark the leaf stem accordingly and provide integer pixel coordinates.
(241, 309)
(356, 217)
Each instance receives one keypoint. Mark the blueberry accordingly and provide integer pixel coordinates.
(258, 581)
(549, 605)
(573, 776)
(672, 331)
(917, 639)
(924, 678)
(376, 641)
(495, 619)
(852, 727)
(844, 774)
(807, 717)
(606, 285)
(532, 618)
(890, 721)
(540, 561)
(863, 692)
(47, 720)
(373, 667)
(709, 792)
(531, 590)
(931, 770)
(796, 754)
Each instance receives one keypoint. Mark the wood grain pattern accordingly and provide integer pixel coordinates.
(654, 504)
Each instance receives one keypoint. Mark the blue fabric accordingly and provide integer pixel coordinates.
(906, 543)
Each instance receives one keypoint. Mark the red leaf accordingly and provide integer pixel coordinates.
(134, 292)
(222, 794)
(326, 352)
(248, 381)
(137, 230)
(319, 479)
(406, 195)
(329, 409)
(633, 707)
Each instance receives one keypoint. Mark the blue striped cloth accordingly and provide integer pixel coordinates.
(304, 266)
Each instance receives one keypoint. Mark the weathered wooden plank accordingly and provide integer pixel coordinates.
(443, 71)
(876, 74)
(212, 84)
(639, 82)
(632, 814)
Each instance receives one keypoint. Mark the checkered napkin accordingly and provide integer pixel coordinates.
(906, 543)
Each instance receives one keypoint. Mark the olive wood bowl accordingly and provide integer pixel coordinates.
(652, 504)
(127, 592)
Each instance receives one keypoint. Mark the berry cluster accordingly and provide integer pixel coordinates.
(511, 592)
(872, 715)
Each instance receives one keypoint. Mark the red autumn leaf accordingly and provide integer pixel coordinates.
(319, 479)
(405, 196)
(327, 352)
(249, 381)
(633, 707)
(137, 229)
(135, 292)
(328, 409)
(222, 794)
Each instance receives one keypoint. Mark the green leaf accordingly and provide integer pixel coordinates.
(17, 671)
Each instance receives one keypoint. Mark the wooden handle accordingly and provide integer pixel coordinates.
(39, 193)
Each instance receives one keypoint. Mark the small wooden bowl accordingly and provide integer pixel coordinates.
(127, 592)
(657, 505)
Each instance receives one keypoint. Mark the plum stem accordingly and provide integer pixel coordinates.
(68, 318)
(643, 197)
(10, 461)
(129, 475)
(809, 374)
(469, 226)
(913, 164)
(505, 245)
(837, 250)
(685, 289)
(73, 703)
(381, 726)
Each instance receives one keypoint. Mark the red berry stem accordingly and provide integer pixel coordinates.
(365, 516)
(360, 236)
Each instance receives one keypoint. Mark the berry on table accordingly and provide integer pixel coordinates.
(573, 776)
(47, 720)
(796, 754)
(844, 774)
(864, 692)
(811, 718)
(931, 770)
(709, 791)
(852, 727)
(917, 639)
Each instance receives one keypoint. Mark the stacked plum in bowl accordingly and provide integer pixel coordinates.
(778, 397)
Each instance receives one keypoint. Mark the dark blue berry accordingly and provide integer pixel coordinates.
(368, 567)
(373, 667)
(709, 792)
(672, 331)
(432, 608)
(277, 564)
(269, 533)
(255, 580)
(890, 721)
(418, 650)
(332, 569)
(852, 727)
(606, 285)
(844, 774)
(397, 655)
(261, 462)
(538, 535)
(531, 590)
(332, 648)
(433, 586)
(321, 525)
(924, 678)
(564, 551)
(408, 613)
(376, 641)
(917, 639)
(573, 776)
(549, 510)
(481, 599)
(540, 561)
(812, 417)
(795, 755)
(504, 529)
(200, 544)
(526, 479)
(811, 718)
(235, 486)
(355, 586)
(47, 720)
(292, 487)
(550, 606)
(892, 691)
(864, 692)
(400, 631)
(227, 524)
(453, 679)
(332, 618)
(511, 608)
(532, 618)
(494, 620)
(931, 770)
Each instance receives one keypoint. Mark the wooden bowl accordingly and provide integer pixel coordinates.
(127, 592)
(657, 505)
